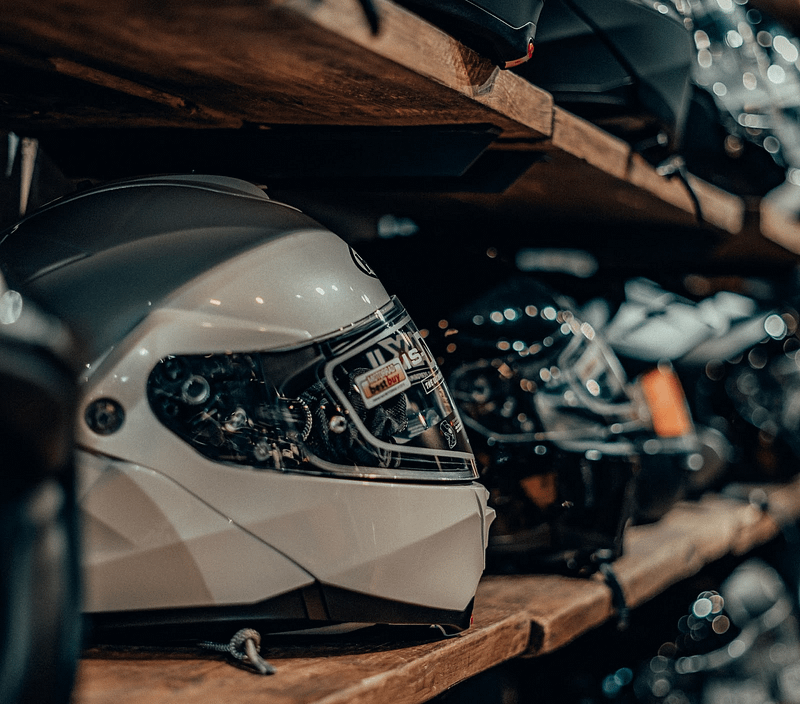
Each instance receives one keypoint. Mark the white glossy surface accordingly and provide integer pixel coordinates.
(169, 527)
(148, 543)
(151, 542)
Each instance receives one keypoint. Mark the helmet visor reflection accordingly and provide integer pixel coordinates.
(367, 402)
(577, 398)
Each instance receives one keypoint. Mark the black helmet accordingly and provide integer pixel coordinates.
(40, 627)
(501, 30)
(623, 64)
(552, 421)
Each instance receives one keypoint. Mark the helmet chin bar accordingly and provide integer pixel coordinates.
(564, 514)
(315, 606)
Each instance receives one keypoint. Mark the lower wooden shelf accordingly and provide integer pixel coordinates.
(514, 615)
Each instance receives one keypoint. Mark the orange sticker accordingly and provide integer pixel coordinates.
(665, 398)
(541, 489)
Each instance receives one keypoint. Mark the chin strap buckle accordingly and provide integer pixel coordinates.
(244, 646)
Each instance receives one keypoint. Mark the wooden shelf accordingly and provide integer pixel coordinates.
(258, 67)
(514, 616)
(240, 65)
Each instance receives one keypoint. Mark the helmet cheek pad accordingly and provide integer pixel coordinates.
(368, 402)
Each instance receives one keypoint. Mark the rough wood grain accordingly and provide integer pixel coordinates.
(182, 63)
(427, 51)
(361, 667)
(778, 212)
(277, 62)
(640, 186)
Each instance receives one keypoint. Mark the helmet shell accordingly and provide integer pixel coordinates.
(193, 265)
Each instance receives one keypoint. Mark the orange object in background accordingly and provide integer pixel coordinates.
(664, 395)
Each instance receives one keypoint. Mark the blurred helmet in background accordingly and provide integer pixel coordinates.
(554, 423)
(40, 625)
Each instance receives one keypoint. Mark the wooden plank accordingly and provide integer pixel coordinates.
(358, 668)
(305, 62)
(656, 556)
(579, 181)
(585, 141)
(292, 62)
(419, 46)
(639, 186)
(614, 157)
(718, 207)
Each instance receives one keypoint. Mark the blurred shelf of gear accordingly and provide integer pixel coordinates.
(226, 416)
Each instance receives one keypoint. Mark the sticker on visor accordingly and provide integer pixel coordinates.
(433, 381)
(384, 382)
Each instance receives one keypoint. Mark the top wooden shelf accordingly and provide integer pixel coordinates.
(180, 64)
(520, 615)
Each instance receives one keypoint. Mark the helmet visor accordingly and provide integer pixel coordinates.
(577, 397)
(367, 402)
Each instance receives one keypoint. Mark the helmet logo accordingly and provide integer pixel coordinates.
(362, 264)
(448, 433)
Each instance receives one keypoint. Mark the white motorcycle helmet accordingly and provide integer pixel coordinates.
(264, 435)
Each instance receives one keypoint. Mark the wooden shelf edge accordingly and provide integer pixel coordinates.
(311, 63)
(402, 674)
(691, 536)
(449, 664)
(417, 45)
(716, 207)
(779, 213)
(723, 209)
(583, 140)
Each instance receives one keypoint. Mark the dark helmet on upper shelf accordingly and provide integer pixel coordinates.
(264, 434)
(502, 30)
(743, 126)
(555, 424)
(623, 64)
(40, 595)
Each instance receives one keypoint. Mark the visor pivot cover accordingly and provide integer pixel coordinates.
(261, 450)
(338, 424)
(195, 390)
(104, 416)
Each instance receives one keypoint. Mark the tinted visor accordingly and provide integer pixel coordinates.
(576, 397)
(369, 402)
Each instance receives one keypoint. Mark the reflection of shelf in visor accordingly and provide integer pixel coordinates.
(384, 382)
